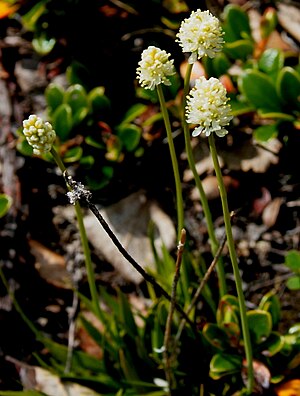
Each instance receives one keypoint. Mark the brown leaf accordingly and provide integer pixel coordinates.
(260, 203)
(271, 211)
(262, 375)
(86, 342)
(250, 156)
(211, 187)
(50, 265)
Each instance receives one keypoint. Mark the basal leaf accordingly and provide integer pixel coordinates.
(260, 325)
(224, 364)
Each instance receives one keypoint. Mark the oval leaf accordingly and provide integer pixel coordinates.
(62, 121)
(260, 325)
(271, 61)
(288, 87)
(239, 49)
(293, 283)
(260, 91)
(99, 103)
(271, 303)
(237, 24)
(54, 96)
(215, 335)
(224, 364)
(76, 97)
(130, 135)
(266, 132)
(292, 260)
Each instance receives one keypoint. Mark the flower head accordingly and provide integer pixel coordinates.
(155, 68)
(39, 134)
(201, 35)
(207, 107)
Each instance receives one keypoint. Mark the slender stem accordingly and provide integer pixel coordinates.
(170, 378)
(233, 257)
(207, 213)
(179, 200)
(84, 241)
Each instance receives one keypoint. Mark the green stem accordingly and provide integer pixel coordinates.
(179, 200)
(207, 213)
(84, 241)
(233, 257)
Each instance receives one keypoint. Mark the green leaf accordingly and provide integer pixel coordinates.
(76, 97)
(224, 364)
(216, 336)
(221, 64)
(130, 135)
(260, 91)
(272, 345)
(5, 204)
(73, 155)
(43, 45)
(271, 61)
(94, 143)
(54, 96)
(260, 325)
(133, 112)
(271, 303)
(30, 19)
(288, 87)
(62, 121)
(80, 115)
(266, 132)
(236, 24)
(293, 283)
(81, 361)
(126, 315)
(292, 260)
(228, 310)
(87, 161)
(99, 102)
(239, 49)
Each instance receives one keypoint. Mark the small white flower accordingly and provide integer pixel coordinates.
(154, 68)
(201, 35)
(207, 107)
(39, 134)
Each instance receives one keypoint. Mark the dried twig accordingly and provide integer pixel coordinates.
(201, 286)
(167, 334)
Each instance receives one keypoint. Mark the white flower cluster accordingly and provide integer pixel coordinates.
(207, 107)
(154, 68)
(39, 134)
(201, 35)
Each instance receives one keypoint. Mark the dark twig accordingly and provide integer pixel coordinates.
(167, 334)
(80, 193)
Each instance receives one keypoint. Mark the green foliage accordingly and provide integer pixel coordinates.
(5, 204)
(268, 345)
(292, 261)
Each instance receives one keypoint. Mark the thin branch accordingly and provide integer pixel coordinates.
(201, 286)
(167, 334)
(148, 278)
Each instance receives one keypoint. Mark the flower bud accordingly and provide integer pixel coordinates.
(39, 134)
